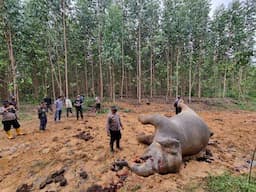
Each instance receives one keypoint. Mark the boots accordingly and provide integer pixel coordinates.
(19, 132)
(9, 135)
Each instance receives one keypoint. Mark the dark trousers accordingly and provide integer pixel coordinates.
(97, 107)
(57, 115)
(178, 110)
(79, 110)
(43, 122)
(9, 124)
(69, 110)
(115, 136)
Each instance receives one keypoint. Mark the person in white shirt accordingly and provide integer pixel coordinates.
(68, 104)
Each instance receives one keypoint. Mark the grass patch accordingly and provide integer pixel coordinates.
(103, 111)
(127, 110)
(249, 104)
(230, 183)
(135, 188)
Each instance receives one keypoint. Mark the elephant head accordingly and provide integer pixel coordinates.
(162, 156)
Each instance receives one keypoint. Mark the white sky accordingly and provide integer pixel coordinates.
(216, 3)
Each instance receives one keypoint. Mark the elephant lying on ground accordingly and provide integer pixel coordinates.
(182, 135)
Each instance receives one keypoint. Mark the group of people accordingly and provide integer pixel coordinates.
(59, 103)
(113, 125)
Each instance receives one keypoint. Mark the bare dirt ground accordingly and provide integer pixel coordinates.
(33, 157)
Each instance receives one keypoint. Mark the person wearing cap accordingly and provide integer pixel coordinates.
(113, 128)
(177, 108)
(10, 119)
(79, 107)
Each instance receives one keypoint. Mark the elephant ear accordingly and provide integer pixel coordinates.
(170, 145)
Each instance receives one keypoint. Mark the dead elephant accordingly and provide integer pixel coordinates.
(182, 135)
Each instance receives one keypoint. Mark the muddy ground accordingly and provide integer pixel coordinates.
(31, 158)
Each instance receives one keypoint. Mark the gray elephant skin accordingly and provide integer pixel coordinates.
(182, 135)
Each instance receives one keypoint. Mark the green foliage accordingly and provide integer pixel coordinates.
(216, 50)
(247, 104)
(89, 101)
(127, 110)
(228, 183)
(103, 110)
(135, 188)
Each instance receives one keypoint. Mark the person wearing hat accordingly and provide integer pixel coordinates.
(10, 119)
(113, 128)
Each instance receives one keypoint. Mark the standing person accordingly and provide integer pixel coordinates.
(42, 115)
(97, 104)
(48, 102)
(177, 108)
(58, 106)
(68, 104)
(10, 119)
(113, 128)
(79, 107)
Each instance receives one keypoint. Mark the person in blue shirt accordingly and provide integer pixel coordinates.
(58, 105)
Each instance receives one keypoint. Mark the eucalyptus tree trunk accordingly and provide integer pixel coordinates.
(123, 70)
(77, 83)
(139, 62)
(85, 72)
(65, 46)
(168, 88)
(52, 75)
(100, 66)
(224, 82)
(53, 84)
(177, 72)
(151, 72)
(99, 50)
(190, 79)
(8, 37)
(92, 76)
(240, 77)
(199, 70)
(126, 82)
(110, 81)
(60, 80)
(113, 84)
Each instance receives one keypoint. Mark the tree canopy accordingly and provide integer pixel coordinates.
(127, 48)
